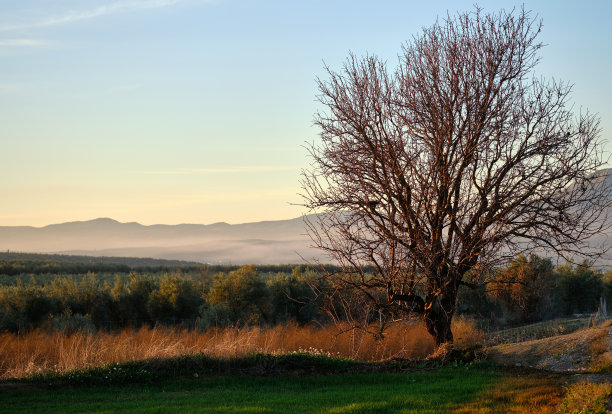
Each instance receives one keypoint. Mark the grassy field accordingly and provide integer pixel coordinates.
(284, 369)
(463, 389)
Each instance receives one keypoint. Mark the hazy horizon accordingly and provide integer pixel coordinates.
(151, 224)
(196, 111)
(267, 242)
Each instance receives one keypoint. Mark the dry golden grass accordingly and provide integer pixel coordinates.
(586, 397)
(39, 351)
(521, 393)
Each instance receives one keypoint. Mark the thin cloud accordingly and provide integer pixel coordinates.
(230, 170)
(80, 15)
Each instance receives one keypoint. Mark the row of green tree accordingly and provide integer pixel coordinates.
(527, 289)
(241, 296)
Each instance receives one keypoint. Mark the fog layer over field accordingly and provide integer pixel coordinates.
(266, 242)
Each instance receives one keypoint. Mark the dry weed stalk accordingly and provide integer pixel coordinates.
(37, 351)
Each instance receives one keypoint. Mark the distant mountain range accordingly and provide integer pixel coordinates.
(266, 242)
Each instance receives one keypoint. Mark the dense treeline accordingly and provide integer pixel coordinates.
(201, 298)
(90, 296)
(12, 264)
(68, 258)
(18, 267)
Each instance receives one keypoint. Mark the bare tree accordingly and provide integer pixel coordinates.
(456, 160)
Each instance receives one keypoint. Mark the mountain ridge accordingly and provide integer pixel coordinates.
(264, 242)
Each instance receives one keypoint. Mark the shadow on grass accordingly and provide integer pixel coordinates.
(201, 365)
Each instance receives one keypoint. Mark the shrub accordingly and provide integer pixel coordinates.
(132, 302)
(579, 288)
(586, 398)
(244, 293)
(291, 298)
(524, 289)
(69, 323)
(466, 333)
(219, 315)
(23, 306)
(175, 299)
(85, 295)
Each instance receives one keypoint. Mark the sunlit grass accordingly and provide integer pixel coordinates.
(464, 389)
(516, 392)
(39, 351)
(586, 397)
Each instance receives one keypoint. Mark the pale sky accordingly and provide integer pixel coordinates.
(196, 111)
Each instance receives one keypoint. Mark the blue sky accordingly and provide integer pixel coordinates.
(176, 111)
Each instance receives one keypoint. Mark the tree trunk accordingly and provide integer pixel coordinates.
(438, 320)
(439, 327)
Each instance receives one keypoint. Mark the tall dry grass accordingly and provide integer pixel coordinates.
(38, 351)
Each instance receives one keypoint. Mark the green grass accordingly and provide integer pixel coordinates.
(286, 383)
(421, 392)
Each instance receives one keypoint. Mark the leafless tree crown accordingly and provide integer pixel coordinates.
(455, 159)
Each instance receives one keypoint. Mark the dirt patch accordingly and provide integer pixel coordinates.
(587, 349)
